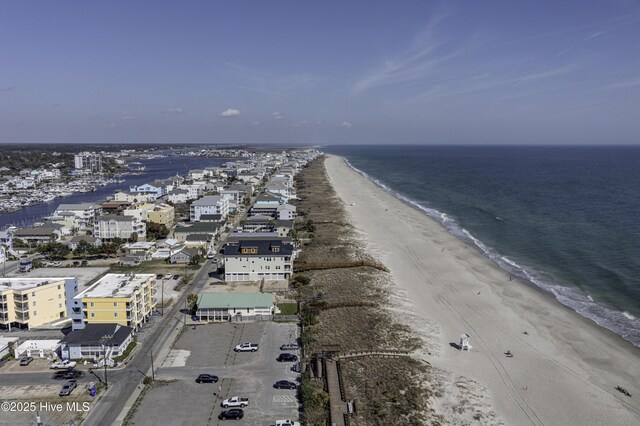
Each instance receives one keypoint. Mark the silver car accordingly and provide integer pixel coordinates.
(68, 387)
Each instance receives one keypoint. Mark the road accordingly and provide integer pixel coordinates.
(122, 383)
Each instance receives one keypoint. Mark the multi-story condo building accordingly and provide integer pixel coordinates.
(125, 299)
(88, 161)
(30, 302)
(84, 213)
(254, 260)
(210, 204)
(112, 226)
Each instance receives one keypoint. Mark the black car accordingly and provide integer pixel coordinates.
(176, 277)
(67, 375)
(207, 378)
(285, 384)
(287, 358)
(159, 276)
(232, 414)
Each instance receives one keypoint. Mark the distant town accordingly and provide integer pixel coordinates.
(120, 277)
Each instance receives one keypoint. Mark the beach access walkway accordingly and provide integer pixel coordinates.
(337, 404)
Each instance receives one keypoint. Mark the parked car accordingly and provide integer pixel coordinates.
(285, 384)
(287, 423)
(232, 414)
(26, 360)
(207, 378)
(84, 263)
(235, 401)
(67, 375)
(290, 347)
(287, 357)
(64, 364)
(246, 347)
(176, 277)
(159, 276)
(68, 387)
(167, 276)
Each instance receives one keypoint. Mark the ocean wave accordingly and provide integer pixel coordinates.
(621, 323)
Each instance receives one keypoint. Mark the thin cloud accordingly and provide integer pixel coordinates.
(346, 124)
(634, 82)
(7, 89)
(416, 63)
(230, 113)
(129, 118)
(276, 116)
(173, 111)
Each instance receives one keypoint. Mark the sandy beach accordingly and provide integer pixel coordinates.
(565, 368)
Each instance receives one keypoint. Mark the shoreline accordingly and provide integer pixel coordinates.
(565, 368)
(522, 274)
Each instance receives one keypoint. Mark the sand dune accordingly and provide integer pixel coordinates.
(564, 370)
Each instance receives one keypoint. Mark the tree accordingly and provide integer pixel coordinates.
(156, 231)
(196, 260)
(192, 301)
(54, 250)
(82, 249)
(133, 237)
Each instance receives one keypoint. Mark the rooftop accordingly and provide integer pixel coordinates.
(115, 285)
(29, 283)
(93, 334)
(234, 300)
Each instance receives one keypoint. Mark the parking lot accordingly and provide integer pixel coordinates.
(209, 349)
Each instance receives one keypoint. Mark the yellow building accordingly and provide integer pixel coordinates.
(31, 302)
(163, 214)
(125, 299)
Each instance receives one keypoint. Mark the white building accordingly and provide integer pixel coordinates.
(178, 196)
(254, 260)
(111, 226)
(88, 161)
(211, 204)
(286, 212)
(84, 213)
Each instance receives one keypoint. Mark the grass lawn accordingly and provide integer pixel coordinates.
(288, 308)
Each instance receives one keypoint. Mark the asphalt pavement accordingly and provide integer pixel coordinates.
(122, 383)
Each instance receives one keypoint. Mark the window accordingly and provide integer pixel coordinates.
(115, 304)
(59, 296)
(35, 313)
(34, 303)
(59, 305)
(58, 286)
(91, 304)
(93, 314)
(115, 314)
(33, 293)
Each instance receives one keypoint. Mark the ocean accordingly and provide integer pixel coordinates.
(565, 219)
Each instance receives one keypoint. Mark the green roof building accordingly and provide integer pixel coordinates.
(235, 307)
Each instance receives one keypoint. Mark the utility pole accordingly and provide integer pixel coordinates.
(162, 314)
(153, 374)
(104, 360)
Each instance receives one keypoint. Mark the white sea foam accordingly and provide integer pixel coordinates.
(622, 323)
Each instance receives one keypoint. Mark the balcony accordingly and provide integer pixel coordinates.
(22, 317)
(22, 307)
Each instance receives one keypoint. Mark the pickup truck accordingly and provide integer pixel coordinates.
(63, 365)
(246, 347)
(235, 401)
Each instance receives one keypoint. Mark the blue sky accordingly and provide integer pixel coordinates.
(506, 72)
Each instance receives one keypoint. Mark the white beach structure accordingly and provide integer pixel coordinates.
(464, 342)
